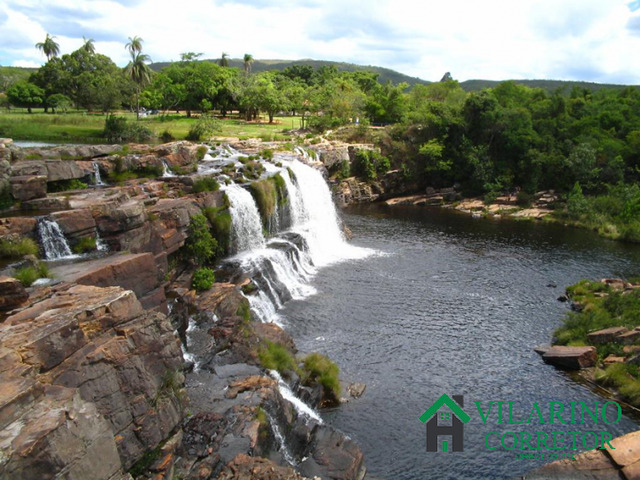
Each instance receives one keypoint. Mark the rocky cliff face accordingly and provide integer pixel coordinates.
(91, 381)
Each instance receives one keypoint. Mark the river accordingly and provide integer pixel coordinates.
(449, 304)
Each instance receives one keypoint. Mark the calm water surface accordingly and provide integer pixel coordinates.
(450, 305)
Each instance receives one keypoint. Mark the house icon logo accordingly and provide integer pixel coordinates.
(440, 424)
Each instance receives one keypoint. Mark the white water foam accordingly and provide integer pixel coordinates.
(302, 408)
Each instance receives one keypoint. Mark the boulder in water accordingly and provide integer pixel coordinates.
(572, 358)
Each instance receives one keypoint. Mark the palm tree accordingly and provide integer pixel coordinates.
(248, 60)
(88, 45)
(140, 73)
(224, 60)
(134, 45)
(49, 47)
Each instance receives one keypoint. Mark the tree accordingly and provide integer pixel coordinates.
(248, 61)
(224, 60)
(59, 102)
(25, 94)
(137, 69)
(49, 47)
(135, 45)
(88, 45)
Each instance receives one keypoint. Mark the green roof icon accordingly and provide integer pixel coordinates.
(453, 406)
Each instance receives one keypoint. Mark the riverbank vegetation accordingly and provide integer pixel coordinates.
(510, 138)
(605, 305)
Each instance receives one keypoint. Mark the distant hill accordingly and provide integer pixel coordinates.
(11, 75)
(548, 85)
(384, 74)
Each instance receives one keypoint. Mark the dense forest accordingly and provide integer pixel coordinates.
(583, 143)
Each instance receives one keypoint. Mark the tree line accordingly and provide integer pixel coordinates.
(506, 138)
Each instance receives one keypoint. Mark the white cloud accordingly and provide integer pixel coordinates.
(590, 40)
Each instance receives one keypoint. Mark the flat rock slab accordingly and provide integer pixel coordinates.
(572, 358)
(607, 335)
(135, 272)
(591, 465)
(626, 449)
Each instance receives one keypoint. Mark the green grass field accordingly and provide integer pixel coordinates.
(82, 127)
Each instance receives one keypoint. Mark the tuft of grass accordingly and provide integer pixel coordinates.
(318, 367)
(275, 356)
(17, 248)
(28, 275)
(84, 245)
(220, 220)
(206, 184)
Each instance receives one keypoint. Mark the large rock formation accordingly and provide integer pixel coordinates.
(91, 382)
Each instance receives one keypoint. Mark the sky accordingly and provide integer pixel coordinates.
(589, 40)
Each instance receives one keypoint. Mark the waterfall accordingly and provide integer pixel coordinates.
(302, 408)
(283, 267)
(246, 226)
(166, 171)
(53, 241)
(97, 179)
(282, 445)
(101, 245)
(314, 217)
(186, 355)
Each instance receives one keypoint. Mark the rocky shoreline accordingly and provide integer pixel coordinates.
(95, 384)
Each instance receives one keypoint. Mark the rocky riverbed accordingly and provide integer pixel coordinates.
(96, 383)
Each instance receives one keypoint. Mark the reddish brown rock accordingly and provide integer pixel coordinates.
(12, 293)
(256, 382)
(573, 358)
(28, 187)
(605, 336)
(121, 365)
(135, 272)
(594, 465)
(630, 337)
(23, 226)
(76, 223)
(59, 436)
(244, 467)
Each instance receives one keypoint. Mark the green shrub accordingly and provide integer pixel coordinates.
(244, 310)
(84, 245)
(319, 368)
(201, 152)
(206, 184)
(200, 244)
(220, 220)
(369, 164)
(28, 275)
(524, 199)
(166, 136)
(252, 169)
(64, 185)
(17, 248)
(119, 130)
(267, 154)
(275, 356)
(205, 126)
(203, 279)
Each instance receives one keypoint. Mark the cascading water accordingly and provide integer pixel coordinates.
(283, 266)
(282, 444)
(302, 408)
(97, 179)
(53, 241)
(166, 170)
(246, 226)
